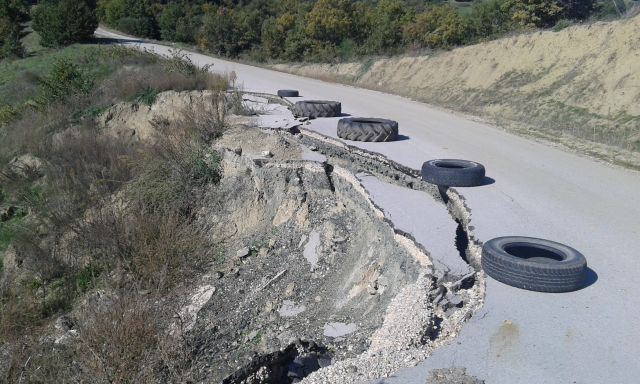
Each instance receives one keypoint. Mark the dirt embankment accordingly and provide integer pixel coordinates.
(308, 278)
(579, 86)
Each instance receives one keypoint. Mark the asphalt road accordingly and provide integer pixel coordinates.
(588, 336)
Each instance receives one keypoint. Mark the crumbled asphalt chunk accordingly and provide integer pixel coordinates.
(455, 375)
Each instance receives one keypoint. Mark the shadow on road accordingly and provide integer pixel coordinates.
(487, 181)
(109, 40)
(590, 278)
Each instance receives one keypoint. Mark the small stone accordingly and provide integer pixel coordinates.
(324, 361)
(272, 243)
(219, 274)
(238, 151)
(313, 148)
(267, 154)
(235, 272)
(289, 290)
(352, 369)
(371, 290)
(242, 253)
(64, 324)
(318, 299)
(7, 213)
(263, 252)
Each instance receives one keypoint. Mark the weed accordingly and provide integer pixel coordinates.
(8, 113)
(562, 24)
(146, 96)
(65, 79)
(237, 106)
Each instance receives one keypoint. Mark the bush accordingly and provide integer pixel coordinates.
(489, 18)
(168, 21)
(384, 27)
(562, 24)
(66, 78)
(130, 16)
(8, 113)
(535, 13)
(438, 26)
(330, 21)
(219, 33)
(137, 26)
(10, 44)
(65, 22)
(146, 96)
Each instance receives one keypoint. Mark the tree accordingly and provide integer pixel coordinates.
(384, 26)
(578, 9)
(10, 44)
(12, 14)
(438, 26)
(130, 16)
(489, 18)
(219, 34)
(535, 13)
(329, 21)
(65, 22)
(168, 21)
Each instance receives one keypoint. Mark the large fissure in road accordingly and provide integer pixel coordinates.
(315, 282)
(388, 306)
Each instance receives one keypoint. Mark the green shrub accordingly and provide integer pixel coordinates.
(10, 43)
(137, 26)
(66, 79)
(64, 22)
(438, 26)
(168, 21)
(147, 96)
(562, 24)
(384, 26)
(8, 113)
(489, 18)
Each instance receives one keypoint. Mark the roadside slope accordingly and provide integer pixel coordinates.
(582, 82)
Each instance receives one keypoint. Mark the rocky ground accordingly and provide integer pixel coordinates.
(317, 280)
(312, 282)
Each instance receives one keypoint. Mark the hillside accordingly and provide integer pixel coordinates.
(579, 86)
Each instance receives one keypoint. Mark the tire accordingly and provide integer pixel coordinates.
(534, 264)
(453, 173)
(318, 108)
(366, 129)
(288, 93)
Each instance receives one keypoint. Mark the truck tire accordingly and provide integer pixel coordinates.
(367, 129)
(318, 108)
(534, 264)
(288, 93)
(453, 172)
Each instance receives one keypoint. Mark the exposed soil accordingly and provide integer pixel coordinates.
(313, 283)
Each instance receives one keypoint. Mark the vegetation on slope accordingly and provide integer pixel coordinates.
(87, 214)
(296, 30)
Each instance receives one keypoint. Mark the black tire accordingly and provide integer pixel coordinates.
(367, 129)
(453, 173)
(534, 264)
(318, 108)
(288, 93)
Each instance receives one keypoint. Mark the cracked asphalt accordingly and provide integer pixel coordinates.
(587, 336)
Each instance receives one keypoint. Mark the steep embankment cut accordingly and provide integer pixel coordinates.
(579, 86)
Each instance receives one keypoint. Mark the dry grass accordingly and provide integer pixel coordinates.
(121, 340)
(111, 214)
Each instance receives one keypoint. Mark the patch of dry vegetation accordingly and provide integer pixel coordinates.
(105, 227)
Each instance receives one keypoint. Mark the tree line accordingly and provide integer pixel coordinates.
(328, 29)
(293, 30)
